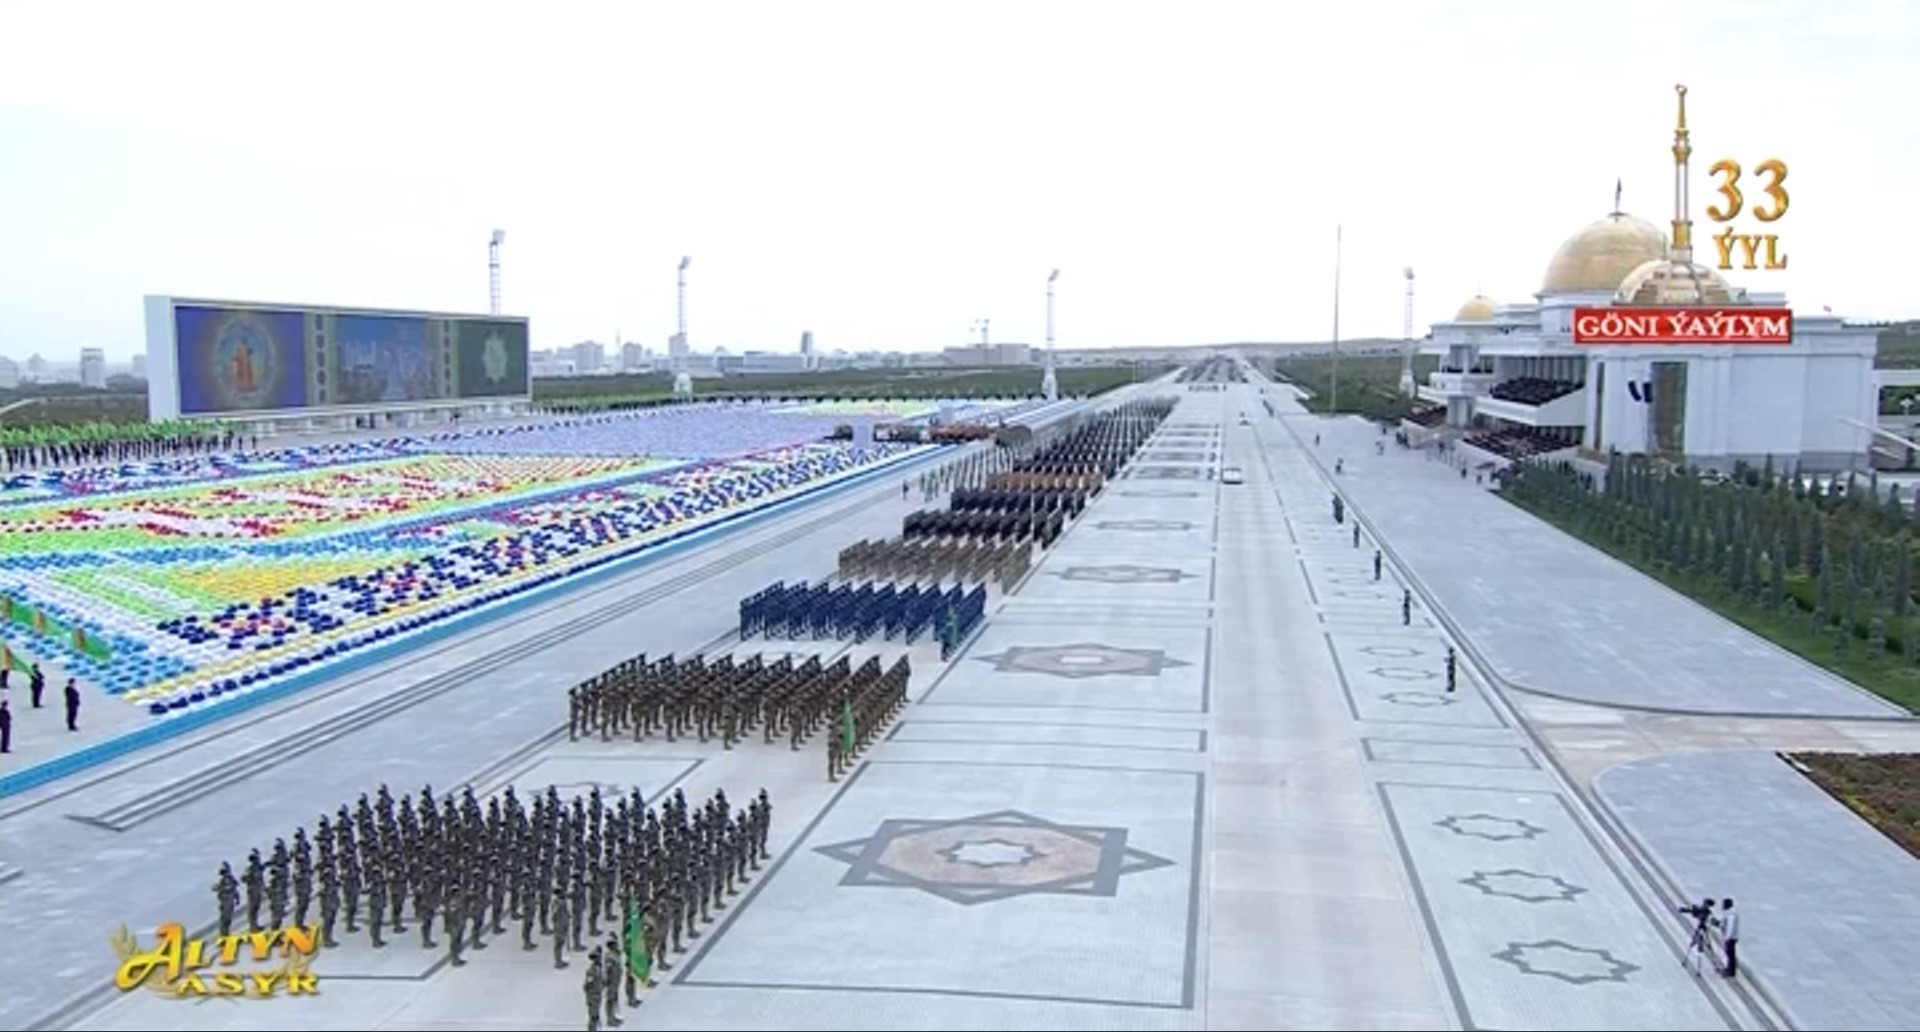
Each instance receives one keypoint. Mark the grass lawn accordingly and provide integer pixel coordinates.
(1892, 676)
(1883, 789)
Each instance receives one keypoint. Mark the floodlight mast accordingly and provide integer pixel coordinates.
(493, 270)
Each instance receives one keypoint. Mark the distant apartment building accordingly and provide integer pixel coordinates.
(36, 369)
(988, 355)
(140, 366)
(93, 368)
(9, 374)
(762, 362)
(589, 358)
(633, 357)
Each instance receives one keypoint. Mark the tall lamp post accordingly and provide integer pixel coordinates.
(1406, 343)
(493, 270)
(1333, 402)
(682, 379)
(1049, 382)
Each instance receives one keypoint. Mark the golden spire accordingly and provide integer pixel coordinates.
(1682, 150)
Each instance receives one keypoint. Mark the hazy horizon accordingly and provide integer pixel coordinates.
(884, 176)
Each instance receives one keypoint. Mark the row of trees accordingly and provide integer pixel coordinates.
(1837, 553)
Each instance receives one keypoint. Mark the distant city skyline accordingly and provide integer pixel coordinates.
(886, 189)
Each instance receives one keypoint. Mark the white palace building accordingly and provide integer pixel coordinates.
(1632, 346)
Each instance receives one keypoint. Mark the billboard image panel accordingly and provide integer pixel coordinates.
(238, 360)
(380, 359)
(490, 358)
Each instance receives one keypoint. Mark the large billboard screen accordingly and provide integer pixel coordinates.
(233, 358)
(239, 360)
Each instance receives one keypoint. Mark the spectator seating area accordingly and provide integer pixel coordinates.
(1519, 442)
(1532, 390)
(1431, 416)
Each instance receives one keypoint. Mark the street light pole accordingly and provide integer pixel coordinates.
(493, 270)
(1049, 381)
(1333, 406)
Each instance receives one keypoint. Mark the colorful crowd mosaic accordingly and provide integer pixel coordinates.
(173, 587)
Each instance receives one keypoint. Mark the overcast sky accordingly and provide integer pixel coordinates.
(885, 174)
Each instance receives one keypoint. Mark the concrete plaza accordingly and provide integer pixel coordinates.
(1198, 771)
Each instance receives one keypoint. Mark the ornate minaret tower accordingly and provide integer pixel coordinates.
(1682, 217)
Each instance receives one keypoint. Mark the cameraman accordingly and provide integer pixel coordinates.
(1730, 934)
(1702, 914)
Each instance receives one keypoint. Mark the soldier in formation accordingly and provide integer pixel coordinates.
(729, 700)
(655, 874)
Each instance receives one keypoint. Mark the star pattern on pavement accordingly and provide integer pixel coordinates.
(1419, 700)
(1144, 524)
(992, 856)
(1170, 473)
(1489, 826)
(1124, 573)
(1401, 673)
(1082, 660)
(1525, 886)
(1391, 651)
(991, 853)
(1575, 965)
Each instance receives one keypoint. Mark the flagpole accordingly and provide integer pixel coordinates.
(1333, 407)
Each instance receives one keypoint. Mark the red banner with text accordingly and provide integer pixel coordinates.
(1693, 325)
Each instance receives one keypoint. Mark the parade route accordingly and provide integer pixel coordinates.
(1196, 772)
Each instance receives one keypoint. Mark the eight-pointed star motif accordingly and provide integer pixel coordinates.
(1124, 573)
(992, 852)
(1577, 965)
(1144, 524)
(1082, 660)
(1419, 700)
(1401, 673)
(977, 860)
(1525, 886)
(1489, 826)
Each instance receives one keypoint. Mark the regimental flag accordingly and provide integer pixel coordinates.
(91, 646)
(639, 960)
(846, 727)
(6, 657)
(39, 622)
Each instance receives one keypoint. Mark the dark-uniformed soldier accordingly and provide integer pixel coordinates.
(302, 877)
(592, 987)
(656, 931)
(349, 865)
(766, 825)
(1406, 607)
(454, 912)
(376, 872)
(562, 930)
(329, 904)
(610, 981)
(277, 883)
(1376, 564)
(425, 894)
(1453, 668)
(226, 897)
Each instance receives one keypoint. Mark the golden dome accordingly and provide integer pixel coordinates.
(1664, 282)
(1479, 308)
(1600, 256)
